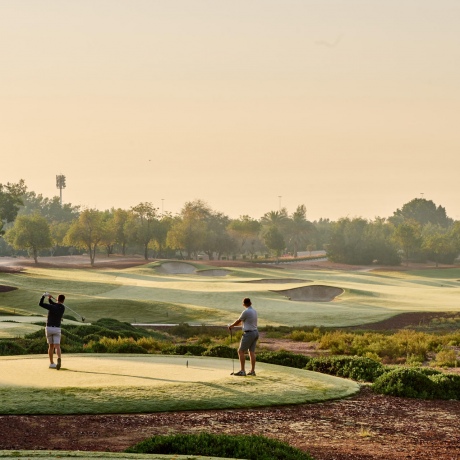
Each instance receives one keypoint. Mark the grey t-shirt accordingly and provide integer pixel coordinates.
(249, 318)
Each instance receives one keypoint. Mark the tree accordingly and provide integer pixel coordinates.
(188, 231)
(145, 220)
(245, 230)
(274, 240)
(87, 232)
(422, 211)
(298, 230)
(49, 208)
(120, 220)
(10, 201)
(160, 234)
(439, 244)
(408, 236)
(30, 232)
(361, 242)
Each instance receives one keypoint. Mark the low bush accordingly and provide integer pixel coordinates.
(447, 386)
(352, 367)
(404, 382)
(95, 347)
(283, 358)
(37, 345)
(220, 445)
(196, 350)
(11, 348)
(122, 345)
(221, 351)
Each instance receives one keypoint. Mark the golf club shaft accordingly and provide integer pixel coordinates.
(68, 308)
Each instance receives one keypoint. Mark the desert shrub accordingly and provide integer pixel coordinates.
(40, 334)
(447, 386)
(150, 344)
(338, 342)
(196, 350)
(221, 351)
(81, 331)
(37, 345)
(91, 338)
(305, 336)
(130, 347)
(352, 367)
(11, 348)
(95, 347)
(405, 382)
(428, 371)
(220, 445)
(122, 345)
(446, 358)
(283, 358)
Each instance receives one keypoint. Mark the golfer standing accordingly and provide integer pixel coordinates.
(250, 335)
(53, 326)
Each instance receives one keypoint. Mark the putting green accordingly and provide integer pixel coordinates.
(104, 383)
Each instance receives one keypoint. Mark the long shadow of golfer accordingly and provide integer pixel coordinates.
(223, 388)
(142, 377)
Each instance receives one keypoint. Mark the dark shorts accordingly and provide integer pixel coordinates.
(248, 341)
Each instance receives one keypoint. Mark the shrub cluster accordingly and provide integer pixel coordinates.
(352, 367)
(220, 445)
(284, 358)
(415, 383)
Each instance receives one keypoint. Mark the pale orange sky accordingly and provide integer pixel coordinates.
(349, 107)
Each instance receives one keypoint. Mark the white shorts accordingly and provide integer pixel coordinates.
(53, 335)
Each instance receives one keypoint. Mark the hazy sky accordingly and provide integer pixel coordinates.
(349, 107)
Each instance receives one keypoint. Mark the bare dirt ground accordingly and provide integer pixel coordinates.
(363, 427)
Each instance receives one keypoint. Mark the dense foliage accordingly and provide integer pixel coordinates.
(420, 230)
(220, 445)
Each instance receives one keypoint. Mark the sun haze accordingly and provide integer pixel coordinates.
(350, 108)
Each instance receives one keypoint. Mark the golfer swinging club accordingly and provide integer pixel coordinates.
(249, 339)
(53, 326)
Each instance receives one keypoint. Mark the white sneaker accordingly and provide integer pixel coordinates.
(53, 366)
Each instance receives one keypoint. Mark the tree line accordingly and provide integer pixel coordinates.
(35, 225)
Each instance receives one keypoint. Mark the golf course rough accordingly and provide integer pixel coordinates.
(106, 383)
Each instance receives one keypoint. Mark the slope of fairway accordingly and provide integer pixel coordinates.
(105, 383)
(148, 294)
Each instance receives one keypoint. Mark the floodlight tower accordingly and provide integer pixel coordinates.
(60, 184)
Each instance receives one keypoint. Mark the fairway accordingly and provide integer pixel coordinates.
(178, 292)
(138, 383)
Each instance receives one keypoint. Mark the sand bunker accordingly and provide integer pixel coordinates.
(277, 281)
(177, 268)
(316, 293)
(214, 272)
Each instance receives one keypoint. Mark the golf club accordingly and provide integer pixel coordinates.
(233, 357)
(78, 314)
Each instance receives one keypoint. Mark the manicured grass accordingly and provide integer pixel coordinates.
(147, 294)
(101, 384)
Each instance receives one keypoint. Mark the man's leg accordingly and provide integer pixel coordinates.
(242, 359)
(252, 359)
(51, 352)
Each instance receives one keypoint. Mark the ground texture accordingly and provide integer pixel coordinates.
(366, 426)
(363, 427)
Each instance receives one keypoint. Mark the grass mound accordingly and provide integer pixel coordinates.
(220, 445)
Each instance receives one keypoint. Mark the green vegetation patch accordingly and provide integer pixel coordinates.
(239, 446)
